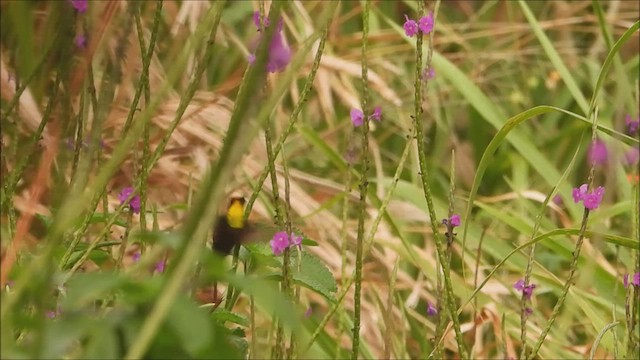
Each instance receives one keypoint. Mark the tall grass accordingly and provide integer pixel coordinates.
(161, 98)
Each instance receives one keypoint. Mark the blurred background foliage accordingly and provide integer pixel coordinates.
(68, 81)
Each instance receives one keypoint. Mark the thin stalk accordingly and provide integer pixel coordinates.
(144, 84)
(146, 61)
(374, 227)
(424, 175)
(364, 184)
(573, 267)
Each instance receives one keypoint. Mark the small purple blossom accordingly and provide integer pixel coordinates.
(279, 53)
(136, 256)
(357, 117)
(295, 240)
(51, 314)
(634, 282)
(631, 157)
(377, 114)
(528, 311)
(431, 309)
(426, 24)
(454, 221)
(598, 153)
(557, 199)
(279, 242)
(256, 20)
(160, 266)
(134, 201)
(80, 41)
(632, 126)
(428, 74)
(527, 290)
(592, 200)
(79, 5)
(579, 193)
(410, 27)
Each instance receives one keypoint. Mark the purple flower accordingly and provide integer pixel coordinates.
(279, 53)
(426, 24)
(79, 5)
(632, 126)
(51, 314)
(454, 220)
(579, 193)
(428, 74)
(631, 156)
(557, 199)
(598, 153)
(592, 200)
(410, 27)
(80, 41)
(431, 309)
(357, 117)
(295, 240)
(527, 290)
(279, 242)
(256, 20)
(377, 114)
(136, 256)
(160, 266)
(528, 311)
(134, 202)
(635, 281)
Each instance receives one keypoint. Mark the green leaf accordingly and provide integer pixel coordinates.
(190, 324)
(102, 344)
(555, 58)
(314, 275)
(85, 288)
(222, 315)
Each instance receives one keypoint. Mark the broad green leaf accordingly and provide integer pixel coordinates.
(87, 287)
(191, 325)
(314, 274)
(222, 315)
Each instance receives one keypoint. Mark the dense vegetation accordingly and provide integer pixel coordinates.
(422, 179)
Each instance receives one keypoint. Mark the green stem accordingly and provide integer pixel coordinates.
(364, 184)
(424, 174)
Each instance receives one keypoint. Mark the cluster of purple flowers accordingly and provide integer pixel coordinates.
(632, 125)
(127, 195)
(357, 116)
(281, 241)
(591, 200)
(80, 5)
(635, 280)
(279, 52)
(424, 24)
(527, 292)
(454, 221)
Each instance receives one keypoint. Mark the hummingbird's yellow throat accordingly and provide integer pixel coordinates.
(235, 213)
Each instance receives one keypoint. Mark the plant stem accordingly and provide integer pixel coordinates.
(364, 184)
